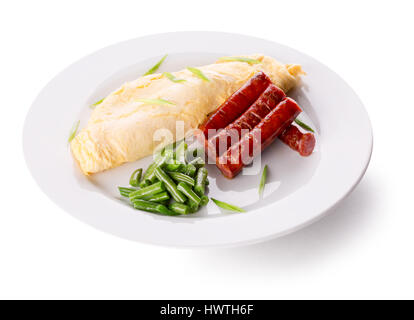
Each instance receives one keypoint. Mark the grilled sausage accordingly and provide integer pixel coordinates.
(237, 103)
(267, 101)
(243, 152)
(304, 143)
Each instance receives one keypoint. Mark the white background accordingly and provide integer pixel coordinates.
(363, 249)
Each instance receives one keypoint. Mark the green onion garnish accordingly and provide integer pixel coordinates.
(227, 206)
(155, 101)
(241, 59)
(96, 103)
(198, 73)
(135, 178)
(304, 125)
(155, 68)
(263, 180)
(172, 77)
(73, 131)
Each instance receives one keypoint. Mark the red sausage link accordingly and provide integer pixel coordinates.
(304, 143)
(240, 154)
(267, 101)
(237, 103)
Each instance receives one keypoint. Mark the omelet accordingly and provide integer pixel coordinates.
(125, 126)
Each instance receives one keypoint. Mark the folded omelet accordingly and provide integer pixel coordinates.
(121, 129)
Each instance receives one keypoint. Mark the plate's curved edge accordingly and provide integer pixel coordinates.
(236, 243)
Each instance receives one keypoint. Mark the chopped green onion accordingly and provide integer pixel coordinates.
(96, 103)
(241, 59)
(263, 180)
(73, 131)
(155, 101)
(198, 73)
(155, 67)
(135, 178)
(304, 125)
(172, 77)
(227, 206)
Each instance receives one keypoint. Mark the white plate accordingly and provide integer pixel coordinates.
(298, 192)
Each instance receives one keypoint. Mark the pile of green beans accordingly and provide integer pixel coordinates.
(174, 183)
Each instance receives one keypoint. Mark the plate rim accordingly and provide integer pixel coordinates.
(199, 244)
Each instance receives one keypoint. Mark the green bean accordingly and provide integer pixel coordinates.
(189, 170)
(159, 197)
(204, 200)
(147, 191)
(145, 183)
(148, 173)
(194, 153)
(207, 182)
(192, 206)
(170, 185)
(200, 184)
(135, 177)
(179, 208)
(171, 146)
(162, 151)
(166, 158)
(168, 154)
(181, 177)
(149, 177)
(152, 179)
(152, 207)
(165, 211)
(180, 152)
(125, 191)
(186, 189)
(173, 166)
(198, 153)
(145, 205)
(197, 162)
